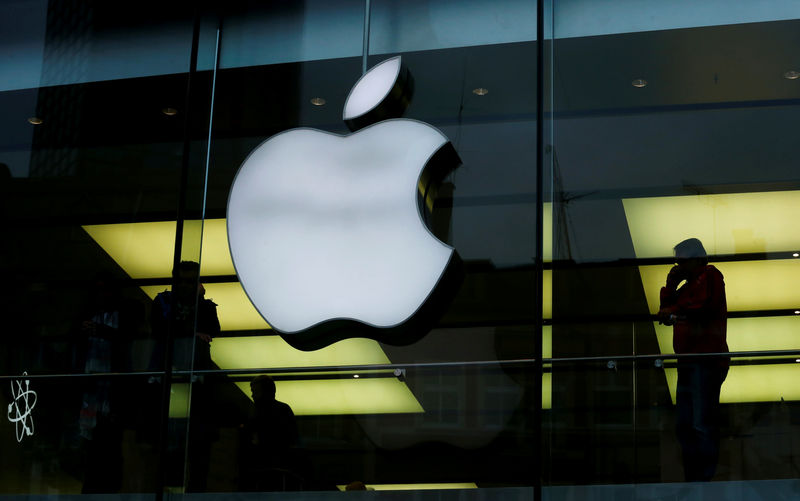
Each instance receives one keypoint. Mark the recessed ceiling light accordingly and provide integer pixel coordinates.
(35, 120)
(639, 83)
(797, 312)
(796, 254)
(356, 376)
(318, 101)
(480, 91)
(170, 112)
(791, 75)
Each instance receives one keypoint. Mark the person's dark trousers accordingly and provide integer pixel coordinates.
(697, 402)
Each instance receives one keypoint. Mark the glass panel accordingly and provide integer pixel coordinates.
(590, 432)
(74, 186)
(258, 33)
(746, 436)
(60, 42)
(102, 156)
(654, 118)
(446, 427)
(645, 161)
(582, 18)
(437, 24)
(73, 435)
(646, 427)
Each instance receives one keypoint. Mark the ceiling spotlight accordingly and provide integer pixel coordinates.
(170, 112)
(797, 312)
(480, 91)
(35, 121)
(318, 101)
(639, 83)
(356, 376)
(796, 254)
(791, 75)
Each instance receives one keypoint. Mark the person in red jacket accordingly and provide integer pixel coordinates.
(693, 303)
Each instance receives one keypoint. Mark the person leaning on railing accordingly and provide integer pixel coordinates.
(697, 312)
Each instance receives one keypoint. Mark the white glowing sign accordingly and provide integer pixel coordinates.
(20, 410)
(328, 227)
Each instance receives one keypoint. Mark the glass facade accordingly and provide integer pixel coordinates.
(581, 354)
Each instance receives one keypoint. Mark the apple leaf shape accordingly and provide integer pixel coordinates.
(381, 93)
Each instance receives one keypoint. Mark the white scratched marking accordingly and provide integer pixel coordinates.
(20, 410)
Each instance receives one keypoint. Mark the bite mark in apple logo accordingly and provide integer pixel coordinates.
(328, 233)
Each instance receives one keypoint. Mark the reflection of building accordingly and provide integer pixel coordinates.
(66, 56)
(706, 149)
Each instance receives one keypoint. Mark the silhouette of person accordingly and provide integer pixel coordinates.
(357, 485)
(194, 323)
(270, 442)
(697, 310)
(191, 316)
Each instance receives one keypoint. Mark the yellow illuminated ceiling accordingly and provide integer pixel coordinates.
(730, 224)
(145, 250)
(273, 352)
(374, 395)
(749, 285)
(547, 232)
(547, 294)
(753, 383)
(748, 334)
(179, 400)
(307, 397)
(378, 395)
(235, 311)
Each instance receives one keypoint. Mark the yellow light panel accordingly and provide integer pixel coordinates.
(753, 383)
(216, 256)
(234, 309)
(415, 487)
(145, 250)
(344, 396)
(547, 294)
(749, 285)
(735, 223)
(179, 400)
(732, 223)
(547, 232)
(547, 390)
(547, 341)
(273, 351)
(547, 377)
(748, 334)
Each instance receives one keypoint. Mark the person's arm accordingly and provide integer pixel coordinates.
(707, 302)
(667, 313)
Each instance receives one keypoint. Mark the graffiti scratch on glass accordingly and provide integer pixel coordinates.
(20, 410)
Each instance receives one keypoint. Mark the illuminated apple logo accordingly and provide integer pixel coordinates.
(328, 233)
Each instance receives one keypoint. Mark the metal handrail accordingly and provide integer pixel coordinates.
(425, 365)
